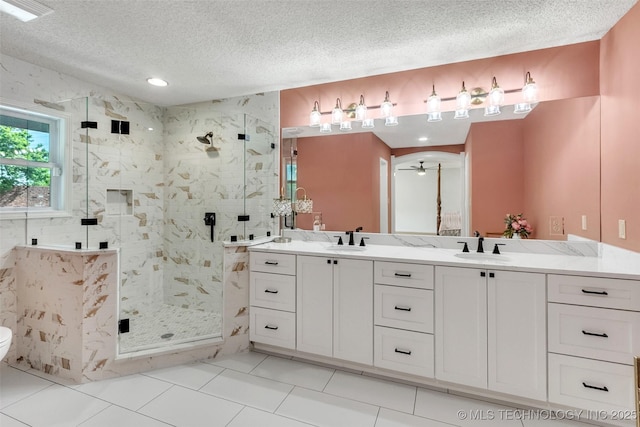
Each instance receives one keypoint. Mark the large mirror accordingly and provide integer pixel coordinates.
(466, 177)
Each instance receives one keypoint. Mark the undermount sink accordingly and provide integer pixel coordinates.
(347, 248)
(482, 256)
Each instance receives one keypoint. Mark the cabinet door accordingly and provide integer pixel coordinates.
(461, 326)
(353, 310)
(517, 346)
(314, 311)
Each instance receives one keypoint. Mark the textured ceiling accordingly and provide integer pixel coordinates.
(211, 49)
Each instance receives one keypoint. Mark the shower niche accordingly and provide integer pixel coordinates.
(119, 202)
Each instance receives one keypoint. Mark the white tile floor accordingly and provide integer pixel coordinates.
(246, 390)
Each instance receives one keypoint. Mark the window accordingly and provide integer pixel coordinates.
(32, 162)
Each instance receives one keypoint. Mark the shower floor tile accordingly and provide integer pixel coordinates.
(164, 324)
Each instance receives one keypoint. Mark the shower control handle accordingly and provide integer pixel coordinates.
(210, 221)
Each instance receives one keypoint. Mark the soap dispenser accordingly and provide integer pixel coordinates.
(316, 223)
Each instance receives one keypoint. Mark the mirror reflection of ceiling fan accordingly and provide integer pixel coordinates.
(421, 170)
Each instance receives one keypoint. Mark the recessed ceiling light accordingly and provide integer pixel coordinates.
(423, 138)
(24, 10)
(156, 81)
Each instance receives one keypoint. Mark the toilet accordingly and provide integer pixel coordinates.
(5, 341)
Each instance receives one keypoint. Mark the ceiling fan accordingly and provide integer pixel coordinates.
(421, 170)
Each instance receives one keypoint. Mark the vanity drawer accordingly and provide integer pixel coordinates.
(403, 308)
(272, 327)
(589, 384)
(268, 262)
(594, 291)
(403, 274)
(596, 333)
(404, 351)
(275, 291)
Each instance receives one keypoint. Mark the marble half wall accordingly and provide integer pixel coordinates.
(68, 325)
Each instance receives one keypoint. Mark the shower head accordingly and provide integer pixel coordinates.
(206, 139)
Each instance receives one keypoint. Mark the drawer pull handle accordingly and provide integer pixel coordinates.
(407, 352)
(604, 388)
(605, 293)
(407, 275)
(594, 334)
(269, 291)
(273, 328)
(271, 262)
(402, 308)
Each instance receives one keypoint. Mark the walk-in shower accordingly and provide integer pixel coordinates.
(145, 192)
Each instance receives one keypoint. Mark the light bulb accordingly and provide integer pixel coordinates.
(314, 117)
(386, 108)
(361, 110)
(530, 90)
(336, 114)
(496, 95)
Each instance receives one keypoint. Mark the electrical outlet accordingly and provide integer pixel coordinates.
(584, 222)
(622, 229)
(556, 225)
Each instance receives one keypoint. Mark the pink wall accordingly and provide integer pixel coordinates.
(609, 67)
(340, 174)
(561, 72)
(496, 155)
(562, 166)
(620, 71)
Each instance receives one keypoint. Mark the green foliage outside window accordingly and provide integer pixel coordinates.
(16, 143)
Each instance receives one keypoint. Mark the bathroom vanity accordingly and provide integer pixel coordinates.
(549, 331)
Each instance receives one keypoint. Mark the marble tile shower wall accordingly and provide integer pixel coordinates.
(201, 178)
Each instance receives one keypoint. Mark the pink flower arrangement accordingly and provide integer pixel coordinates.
(516, 225)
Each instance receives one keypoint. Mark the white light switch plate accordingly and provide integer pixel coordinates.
(584, 222)
(622, 229)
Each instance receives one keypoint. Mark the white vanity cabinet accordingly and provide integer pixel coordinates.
(272, 299)
(594, 333)
(403, 317)
(335, 307)
(490, 329)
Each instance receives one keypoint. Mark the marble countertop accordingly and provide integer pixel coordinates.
(613, 266)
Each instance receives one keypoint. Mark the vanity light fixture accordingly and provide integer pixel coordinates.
(433, 107)
(476, 96)
(304, 205)
(463, 103)
(155, 81)
(496, 99)
(314, 117)
(357, 112)
(529, 95)
(24, 10)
